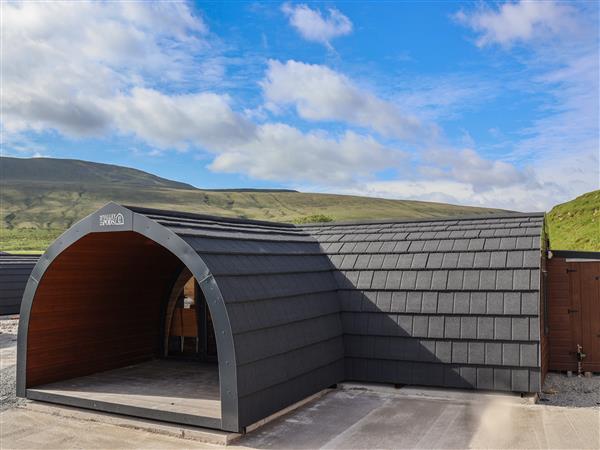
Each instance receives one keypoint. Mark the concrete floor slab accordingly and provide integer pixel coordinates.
(346, 419)
(163, 384)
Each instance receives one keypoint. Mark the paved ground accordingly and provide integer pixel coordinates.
(345, 418)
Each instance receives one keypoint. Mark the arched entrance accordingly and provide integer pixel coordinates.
(93, 326)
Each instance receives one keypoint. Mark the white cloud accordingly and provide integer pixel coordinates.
(313, 26)
(319, 93)
(63, 63)
(467, 166)
(515, 197)
(562, 142)
(520, 21)
(279, 152)
(179, 121)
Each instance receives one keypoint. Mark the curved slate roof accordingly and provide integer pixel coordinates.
(440, 302)
(281, 301)
(14, 273)
(452, 302)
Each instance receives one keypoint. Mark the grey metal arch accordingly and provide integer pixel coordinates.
(141, 224)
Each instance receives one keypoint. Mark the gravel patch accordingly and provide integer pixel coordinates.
(560, 390)
(8, 359)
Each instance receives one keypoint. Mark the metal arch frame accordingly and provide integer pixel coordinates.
(187, 255)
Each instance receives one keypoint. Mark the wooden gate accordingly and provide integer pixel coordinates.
(574, 310)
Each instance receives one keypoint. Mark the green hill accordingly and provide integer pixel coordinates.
(42, 197)
(575, 225)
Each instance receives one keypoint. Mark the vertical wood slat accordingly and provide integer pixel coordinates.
(98, 307)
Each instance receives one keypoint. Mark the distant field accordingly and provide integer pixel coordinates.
(42, 197)
(34, 213)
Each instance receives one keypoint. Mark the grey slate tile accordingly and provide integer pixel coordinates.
(384, 301)
(485, 378)
(405, 324)
(504, 280)
(348, 262)
(468, 327)
(455, 280)
(485, 327)
(404, 261)
(364, 279)
(469, 376)
(502, 379)
(493, 353)
(452, 327)
(460, 245)
(487, 280)
(379, 279)
(431, 246)
(393, 280)
(460, 353)
(398, 301)
(439, 279)
(416, 246)
(508, 243)
(476, 353)
(450, 261)
(389, 261)
(512, 303)
(419, 261)
(534, 381)
(423, 280)
(495, 303)
(445, 302)
(497, 260)
(482, 260)
(530, 303)
(429, 303)
(446, 246)
(436, 327)
(443, 351)
(492, 244)
(502, 328)
(420, 326)
(465, 260)
(362, 262)
(413, 302)
(534, 279)
(534, 329)
(514, 259)
(476, 244)
(471, 280)
(531, 259)
(435, 260)
(375, 262)
(408, 280)
(520, 328)
(529, 354)
(461, 303)
(521, 279)
(519, 380)
(510, 354)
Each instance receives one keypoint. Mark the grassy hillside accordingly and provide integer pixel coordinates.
(37, 205)
(575, 225)
(53, 170)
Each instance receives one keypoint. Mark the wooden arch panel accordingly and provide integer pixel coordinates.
(99, 307)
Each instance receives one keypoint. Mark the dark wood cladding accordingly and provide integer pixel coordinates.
(560, 337)
(574, 313)
(98, 307)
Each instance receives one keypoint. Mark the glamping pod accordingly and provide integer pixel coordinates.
(222, 322)
(14, 273)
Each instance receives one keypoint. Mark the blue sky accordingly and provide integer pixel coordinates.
(492, 104)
